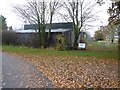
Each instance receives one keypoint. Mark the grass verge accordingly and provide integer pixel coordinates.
(108, 53)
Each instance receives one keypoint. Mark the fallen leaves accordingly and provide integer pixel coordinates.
(76, 72)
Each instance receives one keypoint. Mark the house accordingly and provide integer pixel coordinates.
(28, 36)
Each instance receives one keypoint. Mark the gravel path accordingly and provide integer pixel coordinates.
(17, 73)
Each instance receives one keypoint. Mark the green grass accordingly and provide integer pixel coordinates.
(98, 50)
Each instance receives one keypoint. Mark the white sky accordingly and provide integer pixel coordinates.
(17, 22)
(7, 11)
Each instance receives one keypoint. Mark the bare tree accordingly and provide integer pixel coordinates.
(114, 19)
(34, 12)
(81, 13)
(39, 12)
(53, 6)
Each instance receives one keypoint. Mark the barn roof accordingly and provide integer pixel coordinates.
(47, 30)
(65, 25)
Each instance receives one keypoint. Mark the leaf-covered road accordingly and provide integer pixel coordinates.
(17, 73)
(77, 72)
(74, 72)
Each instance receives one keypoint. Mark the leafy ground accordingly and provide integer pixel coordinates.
(95, 67)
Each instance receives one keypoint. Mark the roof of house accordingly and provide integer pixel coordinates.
(65, 25)
(47, 30)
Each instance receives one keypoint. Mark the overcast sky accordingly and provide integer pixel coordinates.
(7, 11)
(17, 22)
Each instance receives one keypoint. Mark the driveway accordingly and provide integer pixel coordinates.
(17, 73)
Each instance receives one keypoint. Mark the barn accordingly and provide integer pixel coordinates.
(29, 36)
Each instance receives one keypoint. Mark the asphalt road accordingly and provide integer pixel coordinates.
(17, 73)
(0, 70)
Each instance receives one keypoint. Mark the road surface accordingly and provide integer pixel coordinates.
(17, 73)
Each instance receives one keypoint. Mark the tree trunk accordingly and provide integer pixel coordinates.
(39, 32)
(76, 43)
(49, 33)
(43, 26)
(119, 41)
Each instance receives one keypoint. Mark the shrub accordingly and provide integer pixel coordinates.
(27, 39)
(8, 37)
(0, 37)
(33, 42)
(61, 42)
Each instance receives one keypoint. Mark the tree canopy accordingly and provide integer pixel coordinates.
(3, 24)
(114, 19)
(40, 13)
(82, 14)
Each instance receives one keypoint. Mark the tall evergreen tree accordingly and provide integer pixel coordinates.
(3, 24)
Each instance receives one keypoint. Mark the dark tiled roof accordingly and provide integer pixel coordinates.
(30, 26)
(67, 25)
